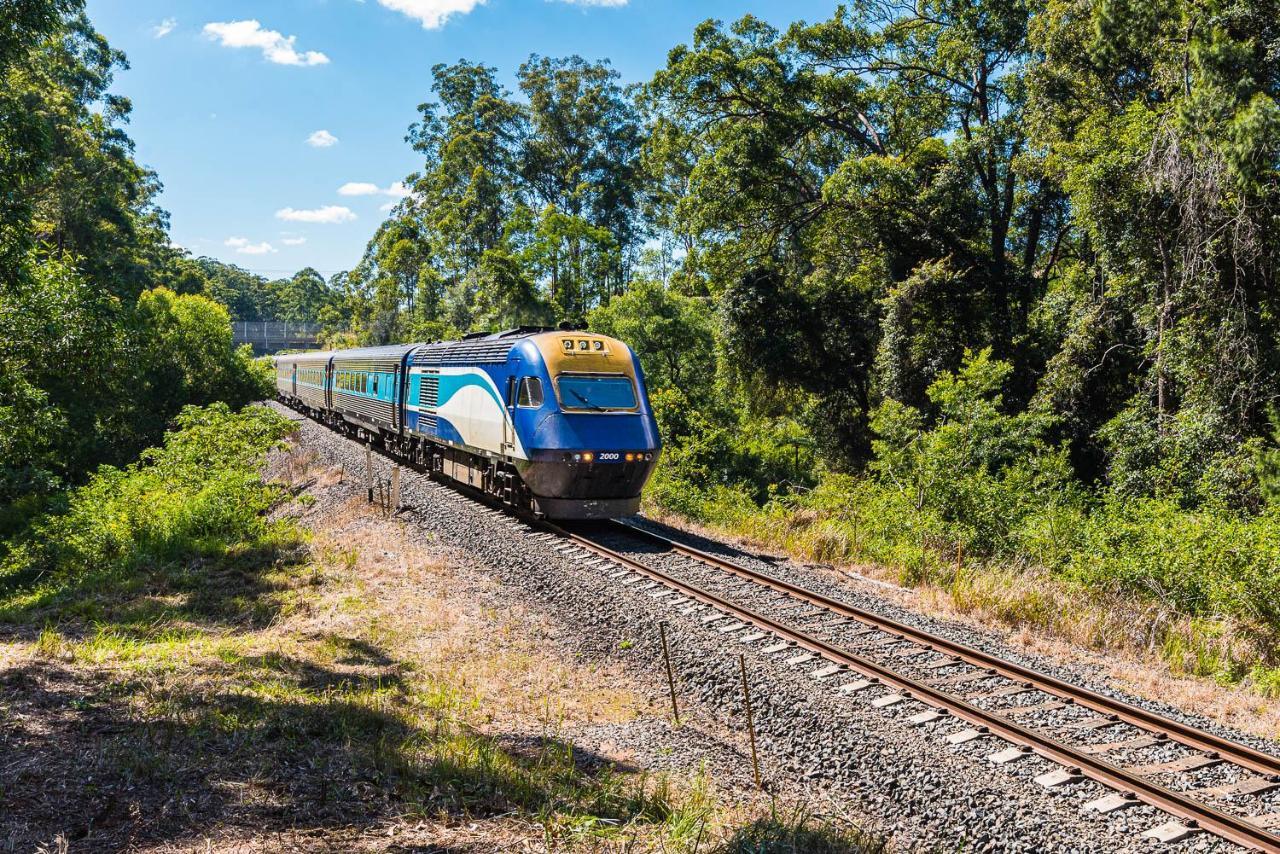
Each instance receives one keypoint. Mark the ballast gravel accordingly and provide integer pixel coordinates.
(903, 779)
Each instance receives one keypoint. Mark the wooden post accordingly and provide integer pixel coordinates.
(751, 727)
(368, 470)
(395, 489)
(671, 679)
(959, 557)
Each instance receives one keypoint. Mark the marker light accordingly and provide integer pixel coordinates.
(599, 345)
(631, 458)
(648, 456)
(577, 457)
(584, 344)
(588, 457)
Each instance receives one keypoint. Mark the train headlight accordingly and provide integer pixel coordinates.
(577, 458)
(588, 457)
(631, 458)
(648, 457)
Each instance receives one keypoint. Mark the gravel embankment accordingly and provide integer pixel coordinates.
(906, 780)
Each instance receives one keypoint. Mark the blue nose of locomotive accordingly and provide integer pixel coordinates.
(595, 465)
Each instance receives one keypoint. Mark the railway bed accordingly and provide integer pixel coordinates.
(981, 696)
(826, 648)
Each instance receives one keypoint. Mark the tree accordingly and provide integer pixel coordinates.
(26, 141)
(673, 334)
(464, 193)
(580, 157)
(302, 298)
(92, 363)
(1160, 121)
(247, 296)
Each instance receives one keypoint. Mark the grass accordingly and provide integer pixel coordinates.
(797, 832)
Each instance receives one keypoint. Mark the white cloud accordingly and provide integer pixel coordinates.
(293, 241)
(275, 47)
(363, 188)
(244, 247)
(388, 207)
(322, 139)
(432, 13)
(163, 28)
(358, 188)
(329, 214)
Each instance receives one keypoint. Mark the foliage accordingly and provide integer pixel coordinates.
(523, 212)
(90, 379)
(197, 495)
(977, 467)
(103, 336)
(674, 335)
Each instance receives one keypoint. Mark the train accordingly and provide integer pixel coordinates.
(555, 422)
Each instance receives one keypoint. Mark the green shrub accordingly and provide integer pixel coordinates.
(199, 494)
(977, 482)
(1203, 562)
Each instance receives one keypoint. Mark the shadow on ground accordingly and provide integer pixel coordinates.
(114, 765)
(226, 587)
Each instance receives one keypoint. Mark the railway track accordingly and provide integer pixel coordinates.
(961, 683)
(902, 663)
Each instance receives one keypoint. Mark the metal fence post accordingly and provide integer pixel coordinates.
(671, 679)
(751, 727)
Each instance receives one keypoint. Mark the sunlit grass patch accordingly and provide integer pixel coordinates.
(157, 536)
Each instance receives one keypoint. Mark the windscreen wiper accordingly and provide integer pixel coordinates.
(587, 403)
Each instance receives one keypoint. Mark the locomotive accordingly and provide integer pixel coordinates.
(556, 422)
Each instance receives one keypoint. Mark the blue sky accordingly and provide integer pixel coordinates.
(256, 115)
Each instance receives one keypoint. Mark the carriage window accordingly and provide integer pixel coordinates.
(375, 383)
(531, 392)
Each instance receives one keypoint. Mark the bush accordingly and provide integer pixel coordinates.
(980, 471)
(199, 494)
(986, 483)
(1204, 563)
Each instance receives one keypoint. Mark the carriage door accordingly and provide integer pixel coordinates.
(509, 416)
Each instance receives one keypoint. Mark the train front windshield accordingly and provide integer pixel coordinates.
(596, 393)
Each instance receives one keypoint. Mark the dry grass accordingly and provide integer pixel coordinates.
(1140, 646)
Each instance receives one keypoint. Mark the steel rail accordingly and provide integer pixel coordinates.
(1232, 751)
(1230, 827)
